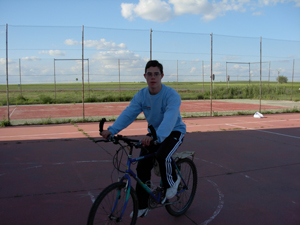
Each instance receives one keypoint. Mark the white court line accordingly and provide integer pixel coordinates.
(91, 196)
(12, 112)
(264, 131)
(220, 205)
(242, 174)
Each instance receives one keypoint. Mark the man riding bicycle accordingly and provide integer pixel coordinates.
(160, 105)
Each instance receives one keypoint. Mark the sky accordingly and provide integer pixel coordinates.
(40, 31)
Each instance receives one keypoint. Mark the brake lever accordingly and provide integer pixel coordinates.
(153, 133)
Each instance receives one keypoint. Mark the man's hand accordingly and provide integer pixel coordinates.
(146, 140)
(106, 134)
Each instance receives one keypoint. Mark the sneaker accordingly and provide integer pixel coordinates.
(141, 213)
(172, 191)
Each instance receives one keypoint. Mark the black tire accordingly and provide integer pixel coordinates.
(101, 210)
(184, 200)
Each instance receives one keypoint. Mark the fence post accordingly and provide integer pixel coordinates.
(82, 66)
(177, 75)
(202, 76)
(150, 44)
(54, 82)
(293, 79)
(211, 72)
(88, 60)
(20, 77)
(7, 89)
(260, 74)
(119, 79)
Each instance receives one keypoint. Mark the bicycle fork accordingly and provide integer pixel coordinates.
(127, 190)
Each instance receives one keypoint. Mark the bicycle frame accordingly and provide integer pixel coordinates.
(129, 173)
(126, 180)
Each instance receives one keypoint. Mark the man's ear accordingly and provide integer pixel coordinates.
(145, 76)
(162, 75)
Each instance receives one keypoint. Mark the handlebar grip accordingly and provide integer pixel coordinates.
(101, 125)
(153, 132)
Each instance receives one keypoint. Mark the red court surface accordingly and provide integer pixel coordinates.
(248, 171)
(113, 109)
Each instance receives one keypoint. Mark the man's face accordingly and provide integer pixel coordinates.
(153, 77)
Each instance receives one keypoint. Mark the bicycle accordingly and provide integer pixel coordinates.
(117, 201)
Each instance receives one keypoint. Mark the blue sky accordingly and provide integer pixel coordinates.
(268, 18)
(42, 30)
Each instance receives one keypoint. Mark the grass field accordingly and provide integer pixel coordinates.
(114, 92)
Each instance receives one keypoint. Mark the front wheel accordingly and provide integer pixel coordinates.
(109, 206)
(186, 189)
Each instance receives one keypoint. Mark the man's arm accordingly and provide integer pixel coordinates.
(127, 116)
(170, 117)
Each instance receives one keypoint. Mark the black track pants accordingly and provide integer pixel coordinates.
(164, 153)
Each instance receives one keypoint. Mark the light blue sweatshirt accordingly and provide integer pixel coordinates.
(160, 110)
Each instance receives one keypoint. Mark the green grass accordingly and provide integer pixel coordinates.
(112, 92)
(4, 122)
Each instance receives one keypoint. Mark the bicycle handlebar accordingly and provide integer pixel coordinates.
(115, 139)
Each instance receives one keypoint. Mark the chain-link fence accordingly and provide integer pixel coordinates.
(50, 64)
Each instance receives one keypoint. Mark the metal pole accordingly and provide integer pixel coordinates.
(54, 82)
(211, 73)
(202, 75)
(269, 76)
(249, 75)
(82, 65)
(293, 79)
(227, 78)
(89, 76)
(119, 79)
(7, 89)
(177, 75)
(150, 44)
(249, 79)
(260, 70)
(20, 76)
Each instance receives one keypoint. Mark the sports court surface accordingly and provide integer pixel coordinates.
(19, 114)
(248, 171)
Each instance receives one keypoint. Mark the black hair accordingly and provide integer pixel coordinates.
(154, 63)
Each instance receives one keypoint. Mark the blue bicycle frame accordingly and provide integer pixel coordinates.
(129, 173)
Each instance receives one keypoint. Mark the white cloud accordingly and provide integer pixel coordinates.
(53, 52)
(119, 54)
(131, 64)
(193, 69)
(103, 44)
(155, 10)
(71, 42)
(3, 61)
(191, 7)
(274, 2)
(162, 11)
(208, 10)
(32, 58)
(98, 44)
(127, 11)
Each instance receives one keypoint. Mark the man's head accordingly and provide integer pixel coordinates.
(154, 63)
(153, 75)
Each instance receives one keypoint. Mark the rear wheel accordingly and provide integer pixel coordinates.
(186, 189)
(109, 205)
